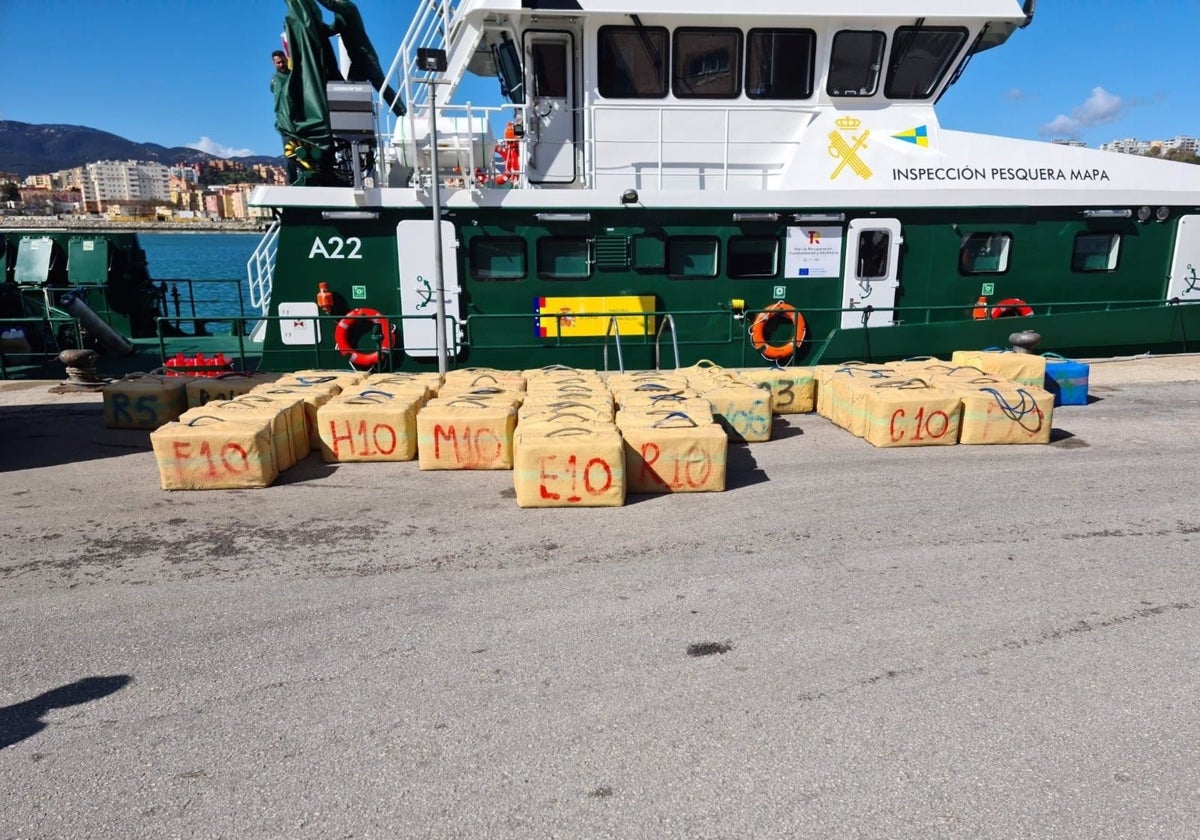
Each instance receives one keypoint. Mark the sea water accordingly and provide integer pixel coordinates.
(219, 258)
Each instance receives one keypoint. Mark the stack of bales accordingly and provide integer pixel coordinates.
(376, 419)
(739, 405)
(469, 425)
(245, 441)
(972, 399)
(672, 443)
(567, 451)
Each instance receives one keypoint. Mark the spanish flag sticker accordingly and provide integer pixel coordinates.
(918, 135)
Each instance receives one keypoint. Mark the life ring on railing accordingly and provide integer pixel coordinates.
(341, 336)
(1011, 308)
(758, 330)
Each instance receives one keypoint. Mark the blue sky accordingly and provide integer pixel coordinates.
(196, 73)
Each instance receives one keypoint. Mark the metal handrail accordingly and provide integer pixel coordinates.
(614, 329)
(668, 318)
(260, 268)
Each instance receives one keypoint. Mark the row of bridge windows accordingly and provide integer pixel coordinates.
(647, 62)
(500, 258)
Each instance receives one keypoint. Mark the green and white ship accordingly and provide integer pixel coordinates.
(656, 183)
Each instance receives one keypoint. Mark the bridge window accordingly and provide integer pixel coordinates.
(707, 63)
(752, 256)
(1096, 252)
(984, 253)
(873, 247)
(780, 63)
(920, 58)
(564, 258)
(550, 70)
(498, 258)
(632, 61)
(855, 63)
(692, 256)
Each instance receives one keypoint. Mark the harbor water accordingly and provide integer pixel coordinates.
(213, 263)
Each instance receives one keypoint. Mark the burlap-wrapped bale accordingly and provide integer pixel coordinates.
(314, 394)
(143, 401)
(293, 409)
(570, 467)
(224, 386)
(743, 410)
(370, 425)
(793, 389)
(823, 375)
(466, 434)
(480, 377)
(1005, 413)
(277, 419)
(910, 412)
(1023, 368)
(214, 453)
(673, 453)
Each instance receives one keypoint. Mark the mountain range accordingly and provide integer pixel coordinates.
(35, 149)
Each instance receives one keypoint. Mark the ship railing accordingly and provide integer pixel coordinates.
(718, 155)
(260, 269)
(38, 354)
(711, 150)
(200, 304)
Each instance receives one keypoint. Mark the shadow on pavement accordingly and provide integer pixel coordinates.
(23, 720)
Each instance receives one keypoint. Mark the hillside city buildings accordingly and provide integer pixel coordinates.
(132, 189)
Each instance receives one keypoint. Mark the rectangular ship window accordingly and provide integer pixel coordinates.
(1096, 252)
(564, 258)
(752, 256)
(873, 246)
(632, 61)
(692, 256)
(498, 258)
(920, 58)
(984, 253)
(780, 63)
(855, 63)
(707, 63)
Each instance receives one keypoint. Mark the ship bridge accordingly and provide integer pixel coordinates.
(602, 94)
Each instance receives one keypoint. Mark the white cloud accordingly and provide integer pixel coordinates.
(212, 147)
(1018, 95)
(1100, 108)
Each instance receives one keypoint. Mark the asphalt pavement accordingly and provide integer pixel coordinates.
(935, 642)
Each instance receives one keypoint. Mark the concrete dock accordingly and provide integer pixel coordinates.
(848, 642)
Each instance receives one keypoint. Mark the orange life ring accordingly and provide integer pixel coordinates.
(1011, 307)
(341, 336)
(758, 330)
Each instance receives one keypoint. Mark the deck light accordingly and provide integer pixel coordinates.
(1107, 214)
(343, 215)
(563, 217)
(1143, 213)
(1162, 214)
(431, 60)
(629, 197)
(814, 218)
(756, 217)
